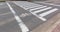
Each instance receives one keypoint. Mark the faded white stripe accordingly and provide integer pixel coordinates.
(37, 8)
(5, 13)
(21, 24)
(27, 5)
(43, 19)
(34, 6)
(48, 12)
(42, 10)
(20, 5)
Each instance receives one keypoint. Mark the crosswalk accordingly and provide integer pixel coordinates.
(36, 8)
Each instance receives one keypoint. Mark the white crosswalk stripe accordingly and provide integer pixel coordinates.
(36, 8)
(39, 17)
(27, 5)
(48, 12)
(33, 6)
(42, 10)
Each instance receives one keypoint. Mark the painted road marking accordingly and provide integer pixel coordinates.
(21, 24)
(20, 5)
(30, 5)
(25, 14)
(43, 19)
(48, 12)
(34, 6)
(5, 13)
(27, 6)
(27, 3)
(42, 10)
(37, 8)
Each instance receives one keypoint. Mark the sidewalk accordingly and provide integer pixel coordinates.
(50, 25)
(57, 28)
(48, 3)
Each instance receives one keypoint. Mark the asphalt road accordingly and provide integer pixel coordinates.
(9, 24)
(7, 20)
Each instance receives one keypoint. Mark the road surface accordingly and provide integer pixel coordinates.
(31, 14)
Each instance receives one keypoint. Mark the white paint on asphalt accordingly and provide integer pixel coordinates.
(20, 5)
(21, 24)
(5, 13)
(43, 19)
(37, 8)
(30, 5)
(27, 5)
(36, 5)
(42, 10)
(25, 14)
(48, 12)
